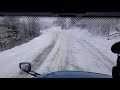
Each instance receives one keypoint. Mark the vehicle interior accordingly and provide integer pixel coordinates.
(60, 42)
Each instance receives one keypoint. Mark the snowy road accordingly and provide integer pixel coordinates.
(72, 53)
(63, 51)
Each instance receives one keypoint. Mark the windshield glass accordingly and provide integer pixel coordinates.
(57, 44)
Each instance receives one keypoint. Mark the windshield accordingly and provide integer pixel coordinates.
(57, 44)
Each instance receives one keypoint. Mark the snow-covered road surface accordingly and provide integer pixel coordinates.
(55, 50)
(72, 53)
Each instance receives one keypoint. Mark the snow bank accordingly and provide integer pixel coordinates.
(10, 59)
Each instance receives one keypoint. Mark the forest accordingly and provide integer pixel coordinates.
(15, 31)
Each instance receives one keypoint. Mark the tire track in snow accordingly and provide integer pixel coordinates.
(101, 62)
(71, 61)
(38, 61)
(56, 59)
(100, 53)
(100, 56)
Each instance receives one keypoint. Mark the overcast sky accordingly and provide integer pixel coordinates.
(48, 19)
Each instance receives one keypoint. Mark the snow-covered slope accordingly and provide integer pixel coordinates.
(10, 59)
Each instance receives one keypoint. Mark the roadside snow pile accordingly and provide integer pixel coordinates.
(10, 59)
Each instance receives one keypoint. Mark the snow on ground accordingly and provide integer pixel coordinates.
(10, 59)
(56, 58)
(74, 49)
(100, 43)
(81, 51)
